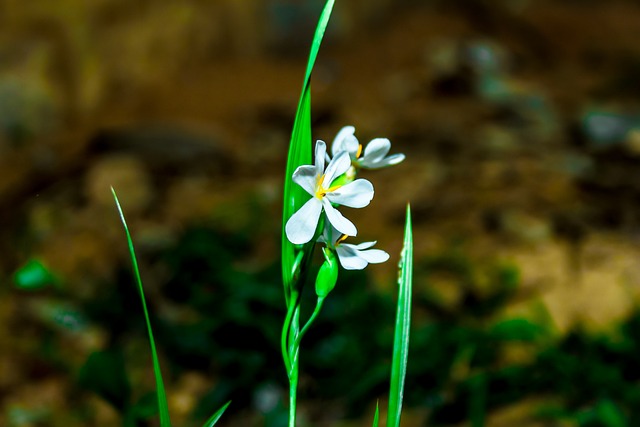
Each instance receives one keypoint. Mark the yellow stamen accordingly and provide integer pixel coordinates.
(321, 191)
(359, 151)
(319, 188)
(342, 239)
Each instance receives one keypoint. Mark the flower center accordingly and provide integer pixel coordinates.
(321, 191)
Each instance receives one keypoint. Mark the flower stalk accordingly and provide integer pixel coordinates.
(313, 194)
(319, 221)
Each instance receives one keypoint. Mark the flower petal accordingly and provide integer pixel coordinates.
(306, 177)
(337, 166)
(302, 225)
(394, 159)
(342, 224)
(374, 256)
(376, 150)
(345, 140)
(349, 258)
(356, 194)
(365, 245)
(321, 151)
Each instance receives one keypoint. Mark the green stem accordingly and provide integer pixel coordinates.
(295, 276)
(295, 338)
(291, 333)
(306, 327)
(292, 372)
(293, 392)
(316, 311)
(286, 329)
(294, 362)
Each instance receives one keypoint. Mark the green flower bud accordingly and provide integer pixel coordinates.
(345, 178)
(328, 274)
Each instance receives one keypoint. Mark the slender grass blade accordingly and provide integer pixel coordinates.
(160, 391)
(403, 322)
(376, 416)
(300, 148)
(215, 417)
(317, 39)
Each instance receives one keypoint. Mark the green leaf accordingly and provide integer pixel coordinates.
(376, 416)
(215, 417)
(403, 322)
(300, 153)
(162, 397)
(294, 195)
(33, 275)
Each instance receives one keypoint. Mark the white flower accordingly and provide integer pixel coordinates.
(317, 181)
(352, 257)
(375, 153)
(357, 257)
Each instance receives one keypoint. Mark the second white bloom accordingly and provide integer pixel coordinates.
(352, 257)
(316, 181)
(375, 153)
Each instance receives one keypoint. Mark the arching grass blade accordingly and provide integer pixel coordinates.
(162, 397)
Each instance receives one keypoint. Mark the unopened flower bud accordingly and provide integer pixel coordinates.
(327, 275)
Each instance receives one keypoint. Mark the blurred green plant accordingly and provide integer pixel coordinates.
(34, 275)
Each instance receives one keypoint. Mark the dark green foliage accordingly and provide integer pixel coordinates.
(455, 365)
(236, 321)
(104, 374)
(235, 333)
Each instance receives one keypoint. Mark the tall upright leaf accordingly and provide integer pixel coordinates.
(162, 397)
(403, 322)
(300, 148)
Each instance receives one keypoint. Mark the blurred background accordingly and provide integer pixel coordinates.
(520, 120)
